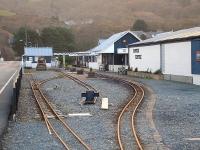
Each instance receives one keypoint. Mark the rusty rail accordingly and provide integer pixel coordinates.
(46, 107)
(132, 105)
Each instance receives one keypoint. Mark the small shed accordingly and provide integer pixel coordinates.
(31, 55)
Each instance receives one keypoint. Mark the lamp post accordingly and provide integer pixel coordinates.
(1, 58)
(64, 60)
(22, 64)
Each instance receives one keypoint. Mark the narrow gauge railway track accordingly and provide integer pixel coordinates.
(82, 83)
(132, 106)
(46, 108)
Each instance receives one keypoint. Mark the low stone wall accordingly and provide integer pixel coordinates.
(184, 79)
(145, 75)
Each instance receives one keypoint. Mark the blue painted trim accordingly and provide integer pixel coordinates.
(195, 46)
(129, 38)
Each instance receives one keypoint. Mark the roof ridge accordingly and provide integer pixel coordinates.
(179, 34)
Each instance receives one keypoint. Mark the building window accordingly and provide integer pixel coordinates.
(136, 51)
(138, 56)
(30, 59)
(198, 55)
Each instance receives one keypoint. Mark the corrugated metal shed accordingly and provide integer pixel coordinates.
(171, 36)
(38, 51)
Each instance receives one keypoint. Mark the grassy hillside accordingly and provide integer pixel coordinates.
(91, 19)
(6, 50)
(6, 13)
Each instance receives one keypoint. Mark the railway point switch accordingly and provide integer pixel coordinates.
(89, 95)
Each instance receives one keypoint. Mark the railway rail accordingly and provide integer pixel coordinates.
(47, 109)
(82, 83)
(132, 106)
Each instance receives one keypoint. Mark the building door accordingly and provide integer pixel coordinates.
(196, 56)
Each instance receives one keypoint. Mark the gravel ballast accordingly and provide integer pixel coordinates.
(175, 115)
(98, 130)
(27, 131)
(172, 121)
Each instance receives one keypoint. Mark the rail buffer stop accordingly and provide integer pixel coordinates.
(90, 97)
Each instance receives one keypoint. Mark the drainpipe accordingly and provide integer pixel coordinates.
(113, 61)
(128, 58)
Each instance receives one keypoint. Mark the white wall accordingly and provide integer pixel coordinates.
(99, 59)
(150, 58)
(94, 65)
(28, 64)
(177, 58)
(1, 59)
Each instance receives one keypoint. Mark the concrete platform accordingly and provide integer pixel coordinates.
(9, 71)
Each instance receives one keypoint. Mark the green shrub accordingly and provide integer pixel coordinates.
(158, 71)
(136, 69)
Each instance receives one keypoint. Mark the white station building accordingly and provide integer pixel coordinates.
(111, 53)
(176, 54)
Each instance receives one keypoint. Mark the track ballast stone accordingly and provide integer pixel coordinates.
(175, 114)
(27, 131)
(98, 131)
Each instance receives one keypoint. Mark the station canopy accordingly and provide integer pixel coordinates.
(76, 54)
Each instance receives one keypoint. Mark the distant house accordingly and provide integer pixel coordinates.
(31, 55)
(176, 54)
(111, 53)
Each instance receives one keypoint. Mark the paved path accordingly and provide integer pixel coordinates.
(7, 69)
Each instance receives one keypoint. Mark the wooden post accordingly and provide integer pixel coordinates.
(63, 60)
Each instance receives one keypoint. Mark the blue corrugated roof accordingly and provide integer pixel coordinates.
(38, 51)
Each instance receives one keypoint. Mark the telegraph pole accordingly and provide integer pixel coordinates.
(26, 37)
